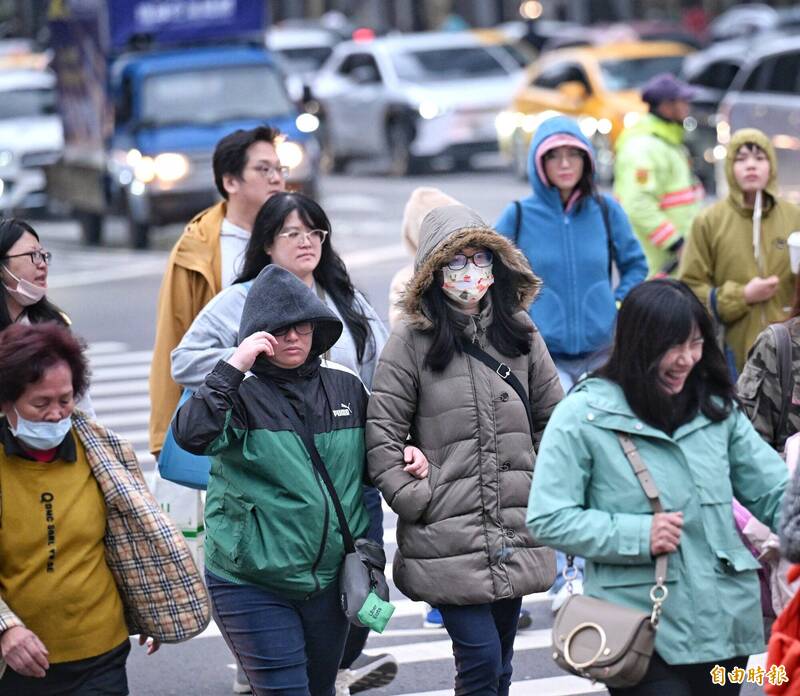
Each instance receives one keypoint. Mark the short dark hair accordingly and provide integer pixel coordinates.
(654, 317)
(330, 273)
(28, 350)
(230, 155)
(753, 147)
(11, 229)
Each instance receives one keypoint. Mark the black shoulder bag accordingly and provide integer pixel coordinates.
(362, 573)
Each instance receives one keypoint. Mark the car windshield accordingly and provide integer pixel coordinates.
(213, 96)
(304, 60)
(20, 103)
(619, 75)
(446, 64)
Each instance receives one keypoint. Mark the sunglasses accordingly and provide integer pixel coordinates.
(303, 328)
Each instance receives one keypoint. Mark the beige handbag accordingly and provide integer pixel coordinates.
(608, 642)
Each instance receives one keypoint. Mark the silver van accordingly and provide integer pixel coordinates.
(766, 94)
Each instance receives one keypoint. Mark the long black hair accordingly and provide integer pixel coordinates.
(510, 336)
(330, 272)
(654, 317)
(11, 229)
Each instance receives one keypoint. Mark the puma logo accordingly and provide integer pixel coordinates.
(344, 411)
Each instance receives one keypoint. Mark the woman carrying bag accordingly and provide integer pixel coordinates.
(666, 390)
(462, 542)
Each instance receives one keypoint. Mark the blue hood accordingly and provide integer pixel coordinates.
(552, 126)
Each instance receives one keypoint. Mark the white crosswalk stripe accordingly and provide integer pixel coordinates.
(120, 397)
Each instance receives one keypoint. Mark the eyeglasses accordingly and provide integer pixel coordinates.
(303, 328)
(481, 259)
(38, 256)
(571, 155)
(268, 172)
(296, 235)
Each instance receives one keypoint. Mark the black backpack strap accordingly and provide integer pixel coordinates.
(783, 351)
(518, 225)
(612, 255)
(308, 440)
(503, 371)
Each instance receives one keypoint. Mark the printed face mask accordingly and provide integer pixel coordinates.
(26, 293)
(467, 285)
(41, 435)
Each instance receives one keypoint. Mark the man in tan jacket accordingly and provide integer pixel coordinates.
(206, 257)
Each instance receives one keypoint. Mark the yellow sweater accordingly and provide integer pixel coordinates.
(53, 571)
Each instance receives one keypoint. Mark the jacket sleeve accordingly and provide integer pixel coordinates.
(8, 619)
(375, 342)
(697, 271)
(544, 386)
(214, 417)
(637, 188)
(213, 336)
(630, 258)
(790, 520)
(175, 315)
(390, 414)
(558, 510)
(758, 474)
(759, 390)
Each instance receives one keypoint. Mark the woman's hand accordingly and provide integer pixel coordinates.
(24, 652)
(416, 462)
(760, 289)
(249, 349)
(665, 533)
(153, 644)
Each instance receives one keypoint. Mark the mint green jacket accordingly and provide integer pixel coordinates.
(586, 501)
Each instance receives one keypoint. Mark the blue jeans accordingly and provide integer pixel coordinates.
(483, 645)
(286, 647)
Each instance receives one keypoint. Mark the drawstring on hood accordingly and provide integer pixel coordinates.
(555, 132)
(735, 194)
(443, 233)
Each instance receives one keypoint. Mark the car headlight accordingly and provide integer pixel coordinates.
(506, 123)
(170, 166)
(144, 168)
(429, 110)
(290, 154)
(307, 123)
(588, 125)
(604, 126)
(2, 187)
(6, 158)
(723, 132)
(631, 119)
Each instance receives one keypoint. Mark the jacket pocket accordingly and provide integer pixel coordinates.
(597, 317)
(550, 318)
(614, 575)
(243, 533)
(735, 560)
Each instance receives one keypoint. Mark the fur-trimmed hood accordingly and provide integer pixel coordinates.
(446, 230)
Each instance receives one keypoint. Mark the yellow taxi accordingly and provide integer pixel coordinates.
(597, 85)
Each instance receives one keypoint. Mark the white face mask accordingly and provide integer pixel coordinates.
(26, 293)
(467, 285)
(40, 435)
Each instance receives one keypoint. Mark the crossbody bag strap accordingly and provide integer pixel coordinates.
(650, 489)
(504, 372)
(518, 225)
(609, 239)
(783, 350)
(308, 440)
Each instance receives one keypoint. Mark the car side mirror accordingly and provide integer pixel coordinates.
(573, 90)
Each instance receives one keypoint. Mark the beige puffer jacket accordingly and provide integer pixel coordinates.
(461, 535)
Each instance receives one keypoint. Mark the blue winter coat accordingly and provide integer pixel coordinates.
(568, 250)
(585, 500)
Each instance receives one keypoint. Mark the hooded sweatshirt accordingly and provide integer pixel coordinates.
(719, 261)
(270, 521)
(420, 203)
(568, 250)
(461, 533)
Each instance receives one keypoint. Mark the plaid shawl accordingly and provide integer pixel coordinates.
(161, 590)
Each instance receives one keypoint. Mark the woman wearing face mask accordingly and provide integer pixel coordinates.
(667, 387)
(462, 542)
(293, 231)
(736, 259)
(78, 527)
(273, 542)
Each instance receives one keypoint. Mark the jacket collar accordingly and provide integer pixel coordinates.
(610, 410)
(65, 452)
(198, 248)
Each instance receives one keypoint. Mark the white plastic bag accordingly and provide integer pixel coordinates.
(185, 507)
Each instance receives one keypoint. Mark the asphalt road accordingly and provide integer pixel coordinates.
(110, 294)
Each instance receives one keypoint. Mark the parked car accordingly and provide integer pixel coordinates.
(301, 52)
(412, 98)
(766, 94)
(711, 72)
(31, 137)
(598, 85)
(743, 20)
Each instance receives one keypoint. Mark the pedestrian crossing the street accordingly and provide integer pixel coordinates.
(119, 393)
